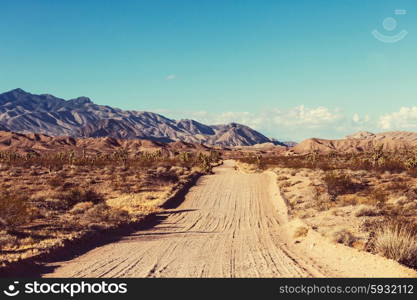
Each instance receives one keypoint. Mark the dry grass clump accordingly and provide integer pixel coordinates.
(380, 196)
(162, 177)
(376, 196)
(398, 185)
(397, 240)
(56, 181)
(367, 211)
(340, 184)
(411, 194)
(301, 231)
(87, 216)
(78, 195)
(105, 215)
(285, 184)
(140, 204)
(81, 207)
(178, 170)
(343, 236)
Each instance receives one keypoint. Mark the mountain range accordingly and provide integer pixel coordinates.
(362, 141)
(24, 112)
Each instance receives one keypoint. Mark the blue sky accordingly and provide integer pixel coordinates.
(291, 69)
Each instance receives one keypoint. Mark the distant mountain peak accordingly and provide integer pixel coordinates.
(81, 100)
(17, 91)
(23, 112)
(361, 135)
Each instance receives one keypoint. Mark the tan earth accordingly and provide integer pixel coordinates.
(359, 142)
(231, 224)
(41, 144)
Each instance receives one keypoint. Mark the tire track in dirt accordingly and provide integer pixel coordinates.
(229, 225)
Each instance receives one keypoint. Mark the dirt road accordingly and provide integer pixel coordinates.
(229, 225)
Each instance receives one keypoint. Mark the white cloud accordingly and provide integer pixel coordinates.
(294, 123)
(405, 118)
(171, 77)
(307, 117)
(357, 119)
(297, 116)
(303, 122)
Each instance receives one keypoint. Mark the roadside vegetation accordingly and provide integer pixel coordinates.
(367, 201)
(377, 161)
(48, 200)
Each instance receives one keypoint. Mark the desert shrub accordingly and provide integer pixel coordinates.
(323, 204)
(340, 184)
(285, 184)
(346, 200)
(161, 170)
(165, 178)
(377, 160)
(398, 185)
(7, 239)
(301, 231)
(178, 170)
(128, 160)
(121, 183)
(55, 181)
(411, 194)
(102, 213)
(344, 237)
(14, 209)
(391, 164)
(366, 211)
(81, 207)
(412, 172)
(380, 196)
(397, 239)
(77, 195)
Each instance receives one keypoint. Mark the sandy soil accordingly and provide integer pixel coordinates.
(231, 224)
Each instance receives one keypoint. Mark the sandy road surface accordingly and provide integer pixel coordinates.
(229, 225)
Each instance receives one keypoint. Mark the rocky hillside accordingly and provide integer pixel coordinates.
(359, 142)
(40, 143)
(23, 112)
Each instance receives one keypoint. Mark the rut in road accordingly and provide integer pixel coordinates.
(227, 226)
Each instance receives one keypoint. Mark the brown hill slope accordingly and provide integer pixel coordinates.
(359, 142)
(40, 143)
